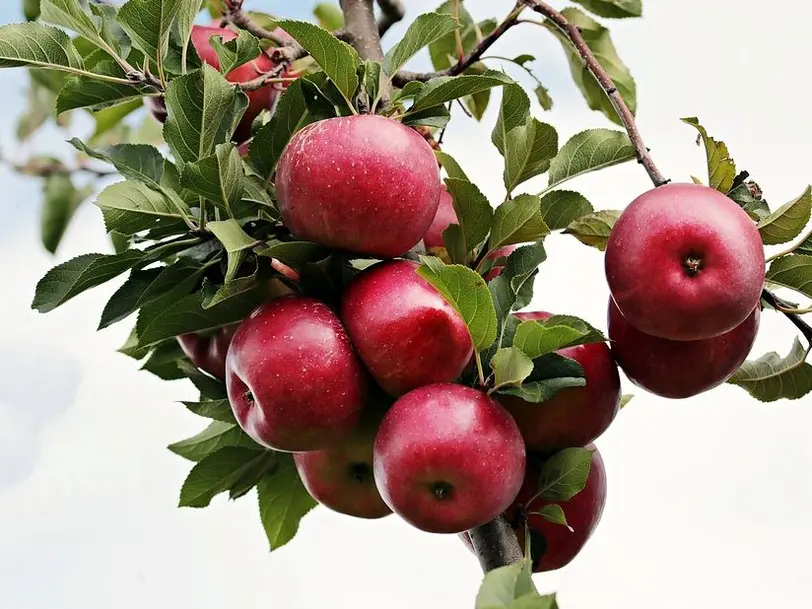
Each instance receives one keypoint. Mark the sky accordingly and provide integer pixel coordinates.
(708, 499)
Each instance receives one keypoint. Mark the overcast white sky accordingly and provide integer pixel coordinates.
(708, 501)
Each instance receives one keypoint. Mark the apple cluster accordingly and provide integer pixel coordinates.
(685, 267)
(366, 393)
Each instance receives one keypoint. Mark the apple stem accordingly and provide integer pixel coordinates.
(495, 544)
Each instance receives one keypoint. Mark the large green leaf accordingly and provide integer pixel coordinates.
(423, 31)
(73, 277)
(338, 59)
(134, 161)
(594, 229)
(446, 88)
(587, 151)
(721, 168)
(772, 377)
(788, 221)
(217, 410)
(220, 471)
(92, 93)
(529, 148)
(537, 338)
(560, 208)
(564, 474)
(149, 23)
(237, 52)
(793, 272)
(71, 15)
(510, 366)
(218, 178)
(203, 111)
(518, 221)
(129, 207)
(38, 46)
(600, 42)
(216, 436)
(283, 502)
(466, 291)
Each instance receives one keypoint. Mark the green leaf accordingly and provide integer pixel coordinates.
(625, 399)
(149, 23)
(613, 9)
(446, 88)
(721, 168)
(504, 585)
(600, 42)
(292, 253)
(423, 31)
(590, 150)
(564, 475)
(129, 207)
(145, 287)
(217, 473)
(537, 338)
(793, 272)
(31, 9)
(518, 221)
(218, 178)
(510, 367)
(134, 161)
(38, 46)
(474, 212)
(218, 410)
(203, 111)
(520, 268)
(772, 378)
(436, 117)
(88, 92)
(69, 14)
(594, 229)
(560, 208)
(537, 392)
(451, 167)
(73, 277)
(513, 113)
(216, 436)
(529, 148)
(283, 502)
(338, 59)
(466, 291)
(291, 115)
(60, 201)
(187, 13)
(237, 52)
(329, 16)
(787, 222)
(236, 242)
(552, 512)
(161, 321)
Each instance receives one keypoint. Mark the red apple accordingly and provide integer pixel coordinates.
(340, 477)
(574, 416)
(501, 252)
(262, 99)
(448, 458)
(404, 330)
(208, 351)
(679, 369)
(365, 184)
(293, 380)
(445, 217)
(583, 513)
(685, 262)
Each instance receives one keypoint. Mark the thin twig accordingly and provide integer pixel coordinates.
(403, 77)
(392, 11)
(573, 34)
(44, 170)
(775, 302)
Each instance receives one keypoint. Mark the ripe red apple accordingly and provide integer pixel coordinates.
(365, 184)
(340, 477)
(207, 351)
(444, 217)
(685, 262)
(679, 369)
(448, 458)
(404, 330)
(501, 252)
(574, 416)
(560, 544)
(293, 380)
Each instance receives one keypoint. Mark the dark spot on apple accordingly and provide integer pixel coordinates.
(442, 490)
(249, 397)
(360, 472)
(692, 263)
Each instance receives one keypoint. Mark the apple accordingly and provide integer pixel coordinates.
(403, 328)
(293, 379)
(444, 217)
(575, 416)
(207, 351)
(554, 545)
(448, 458)
(340, 477)
(679, 369)
(363, 183)
(500, 252)
(262, 99)
(685, 262)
